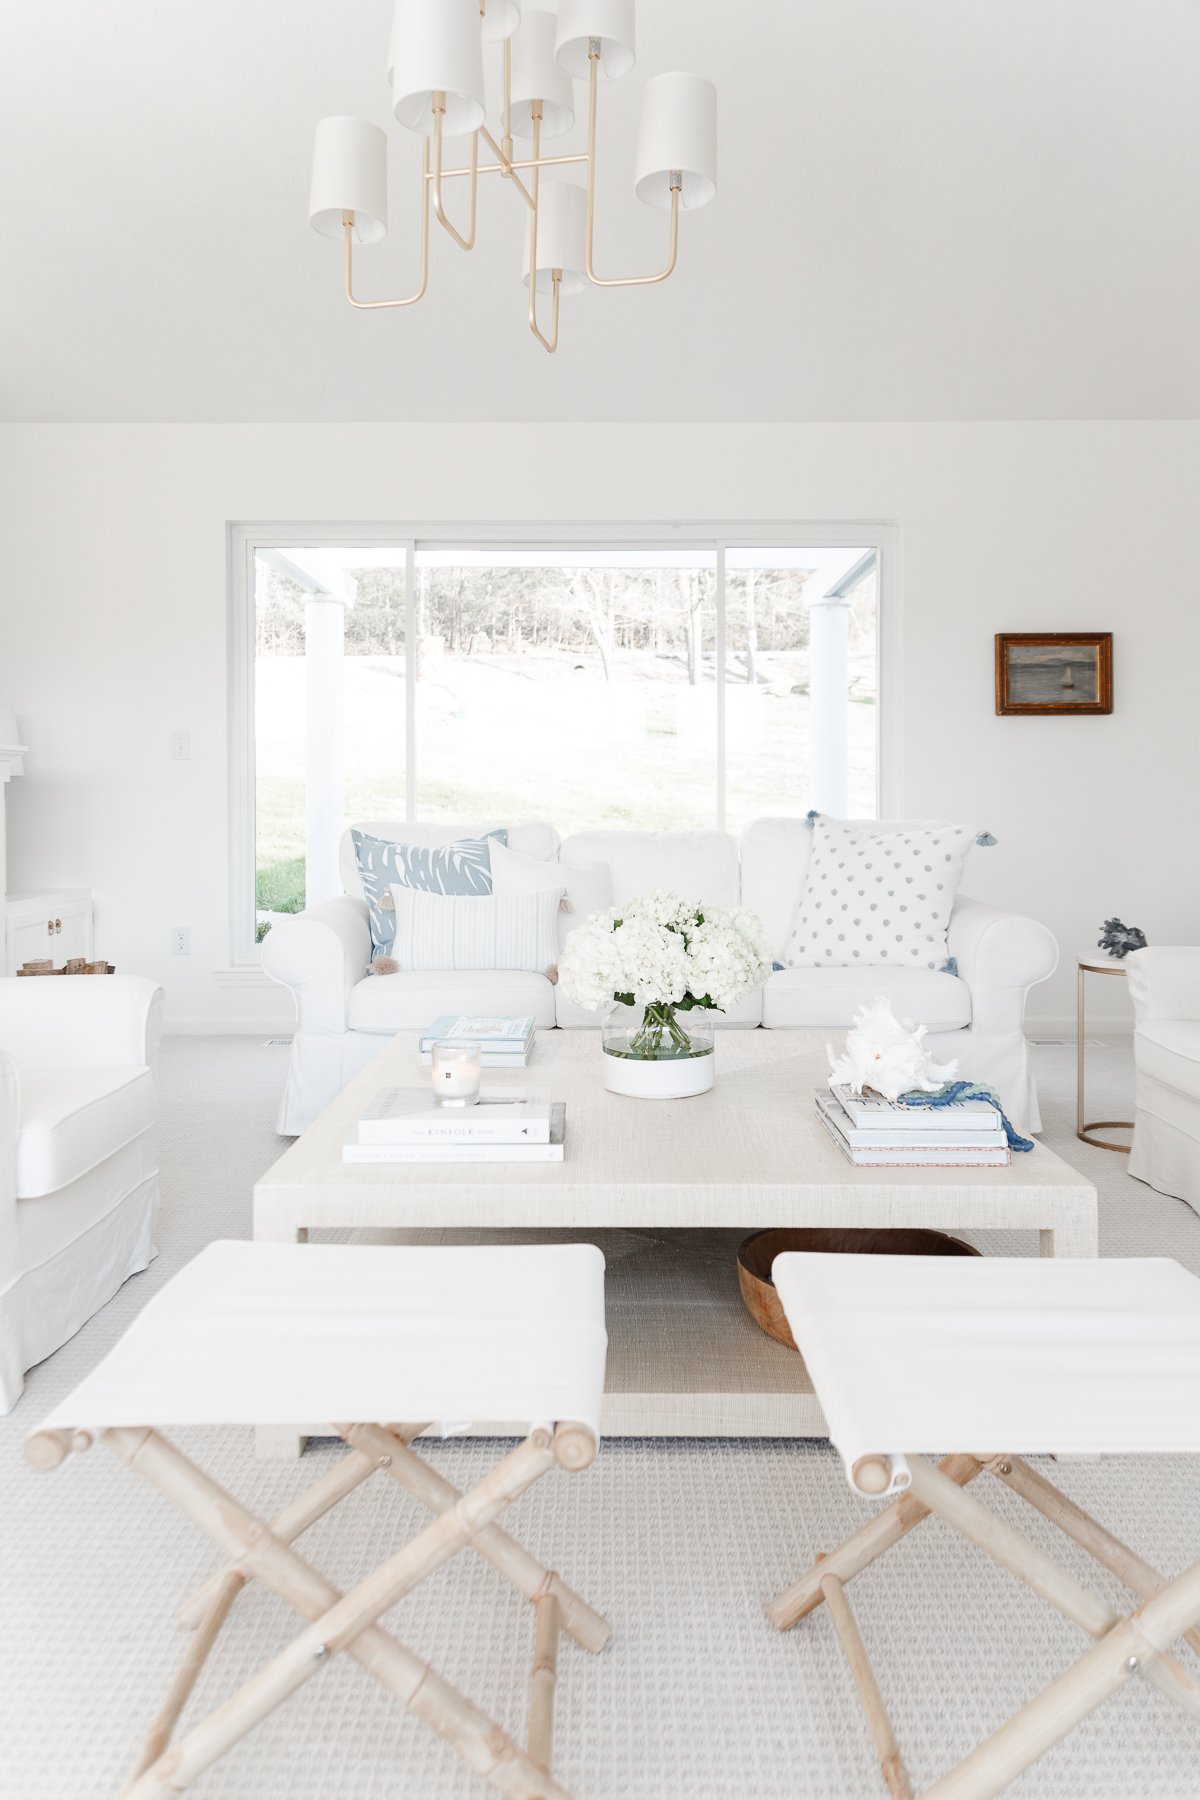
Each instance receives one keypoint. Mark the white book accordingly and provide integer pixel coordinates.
(884, 1135)
(413, 1116)
(903, 1156)
(354, 1152)
(488, 1059)
(871, 1112)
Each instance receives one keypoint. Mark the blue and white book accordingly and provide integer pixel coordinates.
(871, 1112)
(496, 1034)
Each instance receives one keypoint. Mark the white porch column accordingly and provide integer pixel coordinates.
(324, 787)
(828, 686)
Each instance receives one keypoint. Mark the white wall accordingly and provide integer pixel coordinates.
(113, 635)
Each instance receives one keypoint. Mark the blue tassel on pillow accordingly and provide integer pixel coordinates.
(949, 967)
(985, 840)
(810, 818)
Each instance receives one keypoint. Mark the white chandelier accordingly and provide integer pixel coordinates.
(435, 67)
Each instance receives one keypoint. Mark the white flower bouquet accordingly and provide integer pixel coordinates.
(666, 955)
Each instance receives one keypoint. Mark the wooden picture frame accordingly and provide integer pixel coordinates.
(1041, 672)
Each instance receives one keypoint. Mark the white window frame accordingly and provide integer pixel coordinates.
(708, 537)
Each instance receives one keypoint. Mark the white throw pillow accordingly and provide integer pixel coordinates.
(875, 897)
(585, 888)
(487, 931)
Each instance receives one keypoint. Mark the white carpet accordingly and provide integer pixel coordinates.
(680, 1543)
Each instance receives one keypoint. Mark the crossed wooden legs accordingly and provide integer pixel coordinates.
(347, 1622)
(1137, 1644)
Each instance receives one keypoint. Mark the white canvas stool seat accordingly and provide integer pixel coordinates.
(507, 1336)
(978, 1361)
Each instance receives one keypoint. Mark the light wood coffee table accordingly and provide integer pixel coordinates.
(667, 1188)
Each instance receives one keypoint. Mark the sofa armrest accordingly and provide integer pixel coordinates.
(1000, 956)
(80, 1021)
(1164, 982)
(10, 1127)
(320, 955)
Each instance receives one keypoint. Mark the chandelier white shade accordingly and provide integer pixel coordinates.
(561, 226)
(435, 66)
(536, 76)
(678, 135)
(607, 22)
(500, 19)
(437, 48)
(349, 175)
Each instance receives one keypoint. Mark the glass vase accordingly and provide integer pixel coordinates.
(664, 1055)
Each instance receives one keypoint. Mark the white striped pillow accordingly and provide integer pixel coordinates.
(486, 931)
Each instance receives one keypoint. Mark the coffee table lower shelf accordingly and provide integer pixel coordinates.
(684, 1357)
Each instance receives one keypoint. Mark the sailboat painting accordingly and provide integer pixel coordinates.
(1054, 672)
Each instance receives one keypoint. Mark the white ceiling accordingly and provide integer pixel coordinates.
(929, 209)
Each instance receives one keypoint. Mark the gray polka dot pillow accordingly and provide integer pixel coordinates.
(877, 897)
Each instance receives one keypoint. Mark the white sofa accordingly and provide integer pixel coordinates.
(78, 1155)
(1164, 985)
(344, 1015)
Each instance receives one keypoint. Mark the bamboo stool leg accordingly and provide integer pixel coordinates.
(1131, 1647)
(229, 1586)
(895, 1778)
(589, 1629)
(1040, 1572)
(886, 1528)
(290, 1524)
(1085, 1531)
(543, 1675)
(339, 1622)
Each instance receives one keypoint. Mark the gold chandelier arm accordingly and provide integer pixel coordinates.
(550, 343)
(676, 186)
(348, 227)
(468, 242)
(505, 166)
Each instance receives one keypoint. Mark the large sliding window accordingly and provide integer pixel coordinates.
(613, 684)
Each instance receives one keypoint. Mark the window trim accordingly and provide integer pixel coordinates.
(244, 537)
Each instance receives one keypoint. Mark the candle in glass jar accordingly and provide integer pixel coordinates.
(456, 1073)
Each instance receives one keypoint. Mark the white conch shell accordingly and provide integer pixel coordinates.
(886, 1056)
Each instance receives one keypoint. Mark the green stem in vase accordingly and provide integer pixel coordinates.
(659, 1021)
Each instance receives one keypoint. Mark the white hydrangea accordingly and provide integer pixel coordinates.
(663, 950)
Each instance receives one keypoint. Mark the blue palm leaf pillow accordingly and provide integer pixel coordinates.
(464, 867)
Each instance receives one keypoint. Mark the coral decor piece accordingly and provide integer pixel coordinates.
(886, 1056)
(1118, 939)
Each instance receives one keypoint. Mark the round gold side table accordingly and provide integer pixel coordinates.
(1094, 964)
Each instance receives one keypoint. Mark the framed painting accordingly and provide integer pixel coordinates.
(1054, 672)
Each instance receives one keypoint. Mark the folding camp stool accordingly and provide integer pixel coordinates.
(280, 1333)
(910, 1355)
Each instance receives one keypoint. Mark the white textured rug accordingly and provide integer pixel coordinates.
(681, 1543)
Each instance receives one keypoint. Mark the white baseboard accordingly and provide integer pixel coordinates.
(1062, 1025)
(235, 1025)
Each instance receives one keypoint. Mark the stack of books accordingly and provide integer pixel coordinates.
(878, 1133)
(504, 1043)
(406, 1125)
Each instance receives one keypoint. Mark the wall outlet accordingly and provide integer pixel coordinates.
(181, 940)
(181, 746)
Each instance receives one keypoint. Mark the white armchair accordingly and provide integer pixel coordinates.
(78, 1155)
(1164, 985)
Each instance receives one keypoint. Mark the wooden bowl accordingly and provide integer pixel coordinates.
(757, 1252)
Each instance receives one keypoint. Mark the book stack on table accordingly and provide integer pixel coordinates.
(878, 1133)
(504, 1043)
(406, 1125)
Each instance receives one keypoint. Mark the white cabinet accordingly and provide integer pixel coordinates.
(53, 926)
